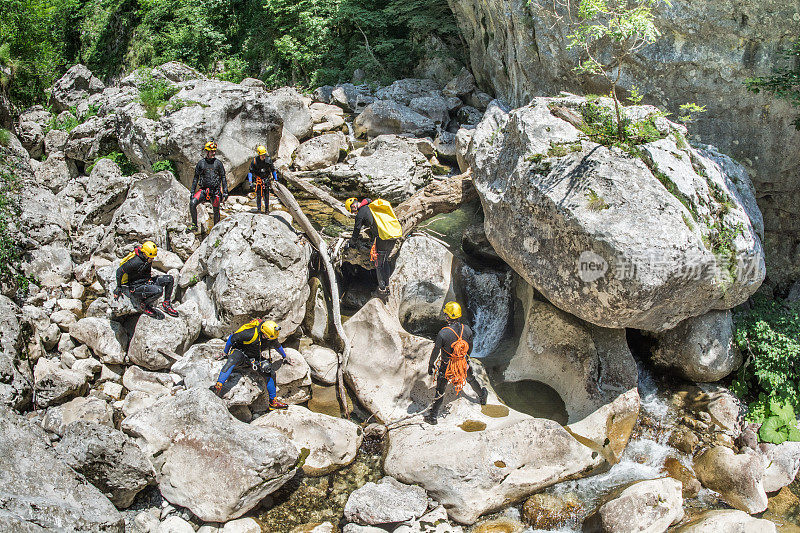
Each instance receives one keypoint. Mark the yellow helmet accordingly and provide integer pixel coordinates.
(349, 203)
(270, 329)
(149, 249)
(211, 145)
(452, 310)
(261, 150)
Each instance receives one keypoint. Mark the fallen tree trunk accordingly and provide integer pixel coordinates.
(315, 191)
(289, 202)
(441, 196)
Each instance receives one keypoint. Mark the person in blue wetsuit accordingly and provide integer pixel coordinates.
(245, 346)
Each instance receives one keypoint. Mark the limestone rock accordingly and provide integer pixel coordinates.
(385, 502)
(157, 343)
(40, 490)
(258, 268)
(553, 214)
(323, 363)
(294, 111)
(434, 521)
(647, 506)
(738, 478)
(109, 459)
(436, 108)
(32, 123)
(77, 84)
(461, 85)
(186, 434)
(781, 464)
(320, 152)
(152, 383)
(405, 90)
(389, 117)
(55, 385)
(85, 409)
(107, 338)
(333, 442)
(699, 348)
(728, 520)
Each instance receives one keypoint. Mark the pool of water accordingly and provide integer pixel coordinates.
(533, 398)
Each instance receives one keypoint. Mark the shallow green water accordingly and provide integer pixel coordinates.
(532, 398)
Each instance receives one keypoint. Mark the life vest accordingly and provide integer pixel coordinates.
(457, 367)
(125, 260)
(385, 219)
(255, 324)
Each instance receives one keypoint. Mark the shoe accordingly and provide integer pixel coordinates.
(383, 295)
(149, 310)
(430, 418)
(216, 388)
(167, 307)
(275, 404)
(193, 228)
(484, 396)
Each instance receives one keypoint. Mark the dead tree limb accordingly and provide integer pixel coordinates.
(315, 191)
(288, 201)
(441, 196)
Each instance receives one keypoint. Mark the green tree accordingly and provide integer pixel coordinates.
(625, 27)
(784, 82)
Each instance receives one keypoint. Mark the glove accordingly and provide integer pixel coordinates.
(274, 176)
(117, 293)
(250, 178)
(287, 361)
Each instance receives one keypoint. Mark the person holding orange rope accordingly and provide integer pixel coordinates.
(454, 341)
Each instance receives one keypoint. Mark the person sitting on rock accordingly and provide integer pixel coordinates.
(209, 174)
(245, 346)
(134, 277)
(384, 229)
(454, 341)
(262, 171)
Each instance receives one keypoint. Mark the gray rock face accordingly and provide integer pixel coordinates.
(333, 442)
(696, 41)
(176, 72)
(252, 266)
(293, 109)
(387, 116)
(108, 458)
(320, 152)
(107, 339)
(208, 461)
(93, 138)
(590, 367)
(728, 520)
(405, 90)
(738, 478)
(77, 84)
(32, 123)
(781, 464)
(15, 374)
(39, 490)
(41, 219)
(589, 243)
(650, 506)
(157, 343)
(385, 502)
(323, 363)
(461, 85)
(55, 385)
(436, 108)
(87, 409)
(700, 348)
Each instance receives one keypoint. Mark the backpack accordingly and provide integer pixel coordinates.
(125, 260)
(388, 225)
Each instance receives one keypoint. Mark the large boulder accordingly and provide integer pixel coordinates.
(156, 344)
(15, 374)
(436, 108)
(385, 502)
(651, 506)
(93, 138)
(699, 348)
(84, 409)
(54, 385)
(107, 339)
(208, 461)
(487, 461)
(41, 217)
(51, 265)
(616, 240)
(728, 520)
(590, 367)
(737, 477)
(405, 90)
(389, 117)
(332, 442)
(54, 172)
(31, 129)
(109, 459)
(389, 167)
(253, 266)
(75, 86)
(781, 464)
(105, 190)
(323, 363)
(293, 109)
(155, 209)
(320, 152)
(39, 490)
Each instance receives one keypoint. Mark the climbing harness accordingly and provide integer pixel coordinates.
(457, 367)
(259, 186)
(373, 253)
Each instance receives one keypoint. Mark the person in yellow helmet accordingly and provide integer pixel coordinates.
(454, 342)
(209, 175)
(134, 277)
(381, 248)
(262, 172)
(245, 346)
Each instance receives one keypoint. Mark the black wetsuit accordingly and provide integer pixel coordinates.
(245, 346)
(209, 175)
(444, 341)
(383, 248)
(141, 286)
(262, 172)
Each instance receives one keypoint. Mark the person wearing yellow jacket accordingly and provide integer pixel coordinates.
(384, 229)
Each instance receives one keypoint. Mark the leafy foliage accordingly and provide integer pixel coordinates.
(601, 126)
(780, 425)
(10, 210)
(125, 165)
(154, 93)
(768, 335)
(165, 164)
(784, 82)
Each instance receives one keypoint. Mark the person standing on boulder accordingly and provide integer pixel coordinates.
(454, 341)
(384, 229)
(134, 277)
(245, 346)
(262, 171)
(209, 174)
